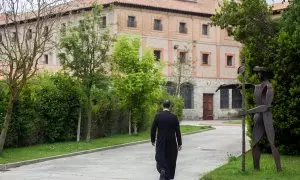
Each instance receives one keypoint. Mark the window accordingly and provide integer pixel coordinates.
(29, 34)
(229, 61)
(157, 55)
(81, 24)
(46, 31)
(204, 29)
(103, 22)
(14, 37)
(236, 99)
(131, 21)
(63, 29)
(182, 56)
(182, 28)
(205, 60)
(186, 92)
(58, 62)
(224, 98)
(171, 88)
(46, 60)
(157, 25)
(229, 31)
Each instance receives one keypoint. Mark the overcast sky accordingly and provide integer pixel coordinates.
(270, 1)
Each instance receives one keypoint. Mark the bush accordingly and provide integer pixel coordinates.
(287, 82)
(57, 100)
(46, 111)
(177, 104)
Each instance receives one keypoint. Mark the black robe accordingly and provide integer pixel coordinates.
(168, 128)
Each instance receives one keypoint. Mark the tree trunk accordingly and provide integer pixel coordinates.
(243, 124)
(89, 115)
(129, 123)
(79, 124)
(135, 128)
(7, 120)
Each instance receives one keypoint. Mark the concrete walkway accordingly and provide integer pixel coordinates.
(211, 123)
(201, 153)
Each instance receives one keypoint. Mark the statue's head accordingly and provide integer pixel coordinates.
(262, 72)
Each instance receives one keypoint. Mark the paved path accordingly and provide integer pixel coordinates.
(201, 153)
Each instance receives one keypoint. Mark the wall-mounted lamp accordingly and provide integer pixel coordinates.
(176, 47)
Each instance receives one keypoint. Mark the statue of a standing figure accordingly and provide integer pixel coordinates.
(262, 114)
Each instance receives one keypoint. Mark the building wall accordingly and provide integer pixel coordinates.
(204, 78)
(209, 86)
(71, 21)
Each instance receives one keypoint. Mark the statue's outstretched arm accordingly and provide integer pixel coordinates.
(235, 86)
(258, 109)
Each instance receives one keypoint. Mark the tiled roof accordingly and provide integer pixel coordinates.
(205, 7)
(2, 16)
(167, 5)
(161, 4)
(280, 6)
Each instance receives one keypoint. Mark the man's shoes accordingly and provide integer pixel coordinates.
(162, 175)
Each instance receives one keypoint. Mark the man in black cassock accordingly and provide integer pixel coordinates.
(167, 147)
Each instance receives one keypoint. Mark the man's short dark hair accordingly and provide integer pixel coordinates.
(166, 104)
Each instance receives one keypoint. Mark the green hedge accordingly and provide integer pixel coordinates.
(48, 108)
(47, 111)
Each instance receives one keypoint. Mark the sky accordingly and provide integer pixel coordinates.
(276, 1)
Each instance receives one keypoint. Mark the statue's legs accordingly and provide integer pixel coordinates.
(258, 132)
(268, 122)
(256, 156)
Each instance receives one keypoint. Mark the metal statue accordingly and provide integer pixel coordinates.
(262, 114)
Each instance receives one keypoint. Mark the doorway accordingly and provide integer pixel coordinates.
(208, 111)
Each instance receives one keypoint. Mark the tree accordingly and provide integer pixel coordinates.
(250, 23)
(275, 45)
(25, 34)
(135, 79)
(182, 70)
(286, 81)
(85, 53)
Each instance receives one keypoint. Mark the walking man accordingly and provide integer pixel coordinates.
(168, 141)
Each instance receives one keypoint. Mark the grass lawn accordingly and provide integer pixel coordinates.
(232, 170)
(46, 150)
(233, 122)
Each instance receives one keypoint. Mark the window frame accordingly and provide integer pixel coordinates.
(103, 22)
(160, 54)
(207, 30)
(236, 99)
(14, 36)
(190, 96)
(232, 60)
(208, 59)
(46, 31)
(133, 23)
(159, 26)
(183, 29)
(63, 29)
(224, 105)
(46, 59)
(182, 60)
(29, 34)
